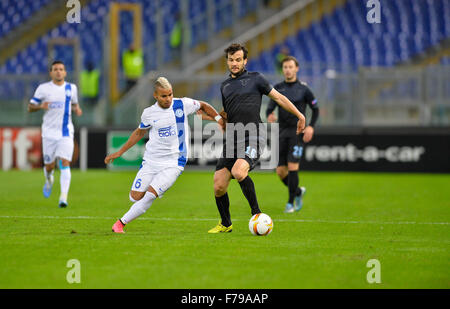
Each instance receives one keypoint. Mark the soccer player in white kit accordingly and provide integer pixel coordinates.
(166, 151)
(58, 99)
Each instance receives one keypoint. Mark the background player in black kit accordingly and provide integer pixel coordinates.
(241, 99)
(291, 144)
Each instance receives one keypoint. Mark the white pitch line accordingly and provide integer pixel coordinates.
(215, 219)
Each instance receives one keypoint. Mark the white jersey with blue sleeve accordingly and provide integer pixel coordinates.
(168, 133)
(57, 120)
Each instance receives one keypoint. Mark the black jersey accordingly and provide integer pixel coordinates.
(301, 96)
(241, 99)
(242, 96)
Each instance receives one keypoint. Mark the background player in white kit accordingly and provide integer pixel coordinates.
(166, 151)
(58, 99)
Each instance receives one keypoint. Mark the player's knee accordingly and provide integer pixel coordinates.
(219, 189)
(50, 166)
(281, 172)
(221, 180)
(239, 174)
(293, 167)
(132, 199)
(65, 163)
(135, 196)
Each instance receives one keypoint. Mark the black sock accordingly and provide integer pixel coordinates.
(223, 205)
(248, 188)
(285, 180)
(294, 190)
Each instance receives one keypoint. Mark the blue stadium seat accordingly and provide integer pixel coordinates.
(345, 37)
(408, 27)
(223, 15)
(16, 12)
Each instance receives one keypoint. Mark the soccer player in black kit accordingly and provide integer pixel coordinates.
(241, 99)
(291, 144)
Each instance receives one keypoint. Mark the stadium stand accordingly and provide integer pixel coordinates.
(33, 59)
(344, 37)
(327, 40)
(15, 12)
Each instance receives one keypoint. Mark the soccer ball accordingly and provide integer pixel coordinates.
(260, 224)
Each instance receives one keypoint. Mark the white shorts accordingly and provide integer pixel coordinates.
(159, 179)
(53, 148)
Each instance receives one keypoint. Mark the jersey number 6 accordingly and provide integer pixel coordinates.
(137, 184)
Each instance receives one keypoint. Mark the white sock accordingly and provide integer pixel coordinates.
(65, 182)
(48, 175)
(139, 208)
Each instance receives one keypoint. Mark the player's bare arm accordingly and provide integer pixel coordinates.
(203, 116)
(135, 137)
(286, 104)
(308, 134)
(209, 113)
(37, 107)
(77, 109)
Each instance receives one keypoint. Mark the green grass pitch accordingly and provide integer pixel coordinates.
(402, 220)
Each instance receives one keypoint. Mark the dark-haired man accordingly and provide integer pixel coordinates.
(291, 144)
(58, 99)
(241, 99)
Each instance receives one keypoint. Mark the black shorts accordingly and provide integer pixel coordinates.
(290, 148)
(229, 162)
(250, 152)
